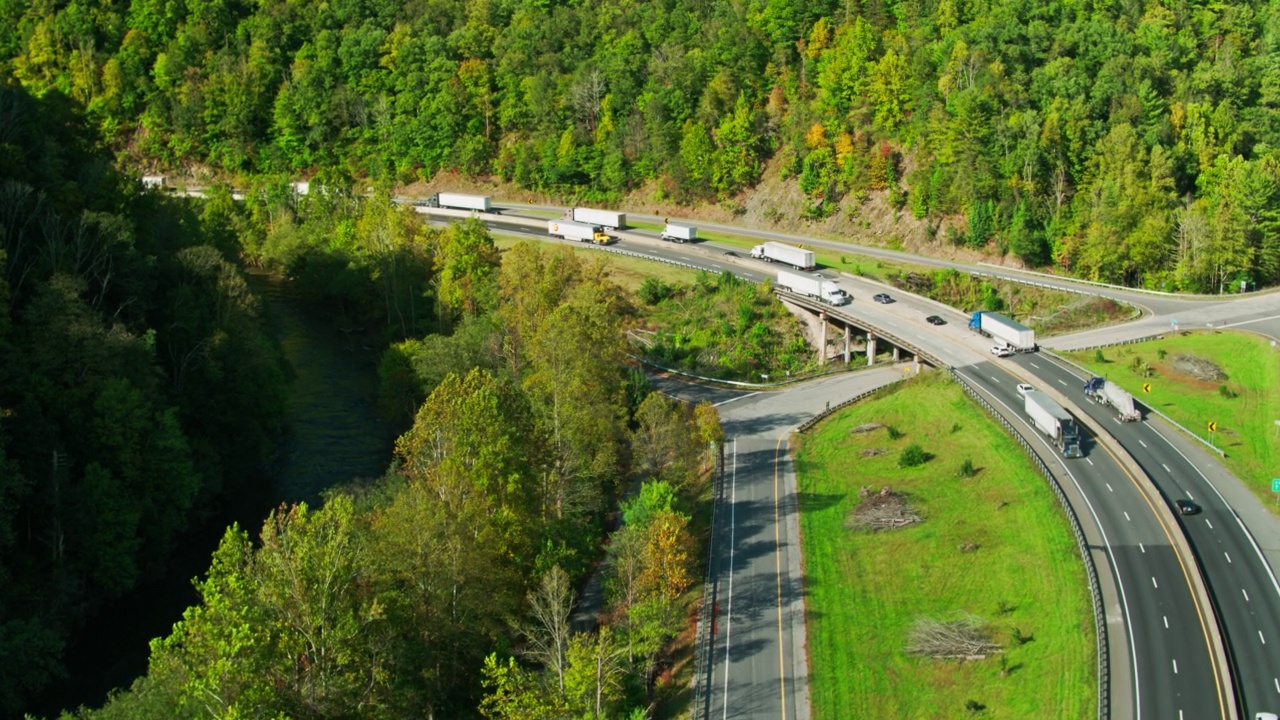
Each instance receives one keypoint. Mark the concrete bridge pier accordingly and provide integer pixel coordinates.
(846, 344)
(871, 348)
(822, 342)
(895, 355)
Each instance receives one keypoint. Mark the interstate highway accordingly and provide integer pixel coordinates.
(1171, 667)
(1243, 587)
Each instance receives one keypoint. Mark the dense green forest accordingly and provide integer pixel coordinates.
(444, 588)
(1133, 142)
(137, 385)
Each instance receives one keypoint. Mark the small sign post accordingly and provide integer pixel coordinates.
(1146, 388)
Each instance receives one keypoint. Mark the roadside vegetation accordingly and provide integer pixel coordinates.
(1232, 378)
(627, 272)
(1048, 312)
(930, 534)
(720, 326)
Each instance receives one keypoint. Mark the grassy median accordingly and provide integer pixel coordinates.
(1244, 399)
(993, 544)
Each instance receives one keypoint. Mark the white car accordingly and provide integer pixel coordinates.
(1001, 351)
(1023, 389)
(1266, 716)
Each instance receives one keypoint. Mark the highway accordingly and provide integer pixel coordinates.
(1244, 589)
(1171, 668)
(1171, 663)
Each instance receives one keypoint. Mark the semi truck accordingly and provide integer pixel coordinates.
(458, 201)
(581, 232)
(797, 258)
(680, 233)
(607, 219)
(827, 291)
(1105, 392)
(1011, 333)
(1049, 418)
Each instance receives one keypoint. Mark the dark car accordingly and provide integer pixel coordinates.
(882, 298)
(935, 320)
(1186, 507)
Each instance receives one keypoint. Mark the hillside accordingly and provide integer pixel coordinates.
(1133, 143)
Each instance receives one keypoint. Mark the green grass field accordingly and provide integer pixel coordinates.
(864, 590)
(1246, 428)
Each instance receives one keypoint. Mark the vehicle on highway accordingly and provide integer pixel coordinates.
(1005, 330)
(882, 298)
(680, 233)
(827, 291)
(565, 230)
(458, 201)
(1001, 351)
(1266, 716)
(1023, 389)
(1105, 392)
(1186, 507)
(607, 219)
(798, 258)
(935, 320)
(1049, 418)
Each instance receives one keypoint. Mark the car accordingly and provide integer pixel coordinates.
(1186, 507)
(1023, 389)
(1266, 716)
(882, 298)
(935, 320)
(1001, 351)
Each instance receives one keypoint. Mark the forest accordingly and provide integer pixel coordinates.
(1130, 142)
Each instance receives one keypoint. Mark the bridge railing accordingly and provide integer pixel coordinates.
(1082, 544)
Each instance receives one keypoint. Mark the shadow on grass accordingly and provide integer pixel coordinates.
(813, 502)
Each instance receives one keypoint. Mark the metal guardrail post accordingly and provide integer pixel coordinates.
(1095, 586)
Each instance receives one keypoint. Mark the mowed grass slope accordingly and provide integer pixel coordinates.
(864, 590)
(1246, 428)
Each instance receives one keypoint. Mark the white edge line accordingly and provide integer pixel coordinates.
(1274, 583)
(728, 618)
(740, 397)
(1133, 650)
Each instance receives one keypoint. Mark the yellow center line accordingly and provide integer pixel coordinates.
(1204, 629)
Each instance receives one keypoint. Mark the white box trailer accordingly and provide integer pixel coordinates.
(566, 230)
(828, 291)
(680, 233)
(797, 258)
(1049, 418)
(458, 201)
(1017, 336)
(1105, 392)
(607, 219)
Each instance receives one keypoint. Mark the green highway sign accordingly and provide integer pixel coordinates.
(1275, 485)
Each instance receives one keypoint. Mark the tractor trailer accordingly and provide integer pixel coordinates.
(777, 252)
(1105, 392)
(1049, 418)
(680, 233)
(458, 201)
(581, 232)
(607, 219)
(1013, 334)
(827, 291)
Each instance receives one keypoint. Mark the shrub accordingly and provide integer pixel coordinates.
(912, 456)
(1227, 392)
(1160, 353)
(653, 291)
(894, 433)
(967, 470)
(1098, 356)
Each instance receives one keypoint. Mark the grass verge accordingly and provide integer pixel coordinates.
(1245, 404)
(864, 590)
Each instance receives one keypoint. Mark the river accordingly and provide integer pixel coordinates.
(335, 435)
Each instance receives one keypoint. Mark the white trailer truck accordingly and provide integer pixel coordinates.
(458, 201)
(581, 232)
(777, 252)
(1105, 392)
(1049, 418)
(1012, 333)
(828, 291)
(607, 219)
(680, 233)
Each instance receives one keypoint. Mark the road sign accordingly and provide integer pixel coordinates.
(1146, 387)
(1275, 484)
(1213, 426)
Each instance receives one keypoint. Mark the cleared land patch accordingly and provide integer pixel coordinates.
(993, 554)
(1231, 378)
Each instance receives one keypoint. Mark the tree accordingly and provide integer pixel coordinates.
(666, 440)
(466, 265)
(595, 675)
(548, 632)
